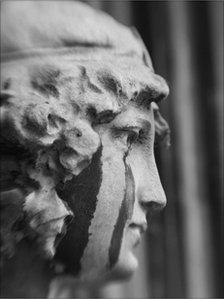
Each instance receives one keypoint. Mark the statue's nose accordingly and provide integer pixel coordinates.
(152, 198)
(150, 193)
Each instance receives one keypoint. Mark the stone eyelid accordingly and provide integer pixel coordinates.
(135, 133)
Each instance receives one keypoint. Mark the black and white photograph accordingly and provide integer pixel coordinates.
(111, 149)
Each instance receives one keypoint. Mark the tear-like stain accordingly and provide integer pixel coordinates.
(125, 213)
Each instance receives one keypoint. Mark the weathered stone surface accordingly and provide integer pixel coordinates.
(49, 112)
(78, 94)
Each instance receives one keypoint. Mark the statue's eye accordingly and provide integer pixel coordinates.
(132, 138)
(129, 135)
(136, 136)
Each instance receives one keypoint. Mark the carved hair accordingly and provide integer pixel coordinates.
(50, 104)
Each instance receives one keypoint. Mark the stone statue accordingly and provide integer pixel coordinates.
(78, 119)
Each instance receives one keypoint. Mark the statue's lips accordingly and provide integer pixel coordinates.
(136, 231)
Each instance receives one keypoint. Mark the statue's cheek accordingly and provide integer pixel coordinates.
(96, 257)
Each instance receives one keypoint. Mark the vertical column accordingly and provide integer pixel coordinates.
(192, 186)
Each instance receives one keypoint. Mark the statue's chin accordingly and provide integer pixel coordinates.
(122, 270)
(125, 267)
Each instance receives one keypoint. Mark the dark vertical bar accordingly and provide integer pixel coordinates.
(190, 154)
(81, 196)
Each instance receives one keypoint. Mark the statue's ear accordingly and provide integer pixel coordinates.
(162, 129)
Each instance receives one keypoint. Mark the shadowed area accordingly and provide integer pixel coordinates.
(81, 195)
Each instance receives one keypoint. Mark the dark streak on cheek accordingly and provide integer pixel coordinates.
(125, 213)
(81, 196)
(130, 190)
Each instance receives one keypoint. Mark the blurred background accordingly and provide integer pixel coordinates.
(182, 253)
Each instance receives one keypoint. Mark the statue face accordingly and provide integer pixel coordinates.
(89, 129)
(111, 197)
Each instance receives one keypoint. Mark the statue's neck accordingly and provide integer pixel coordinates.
(25, 275)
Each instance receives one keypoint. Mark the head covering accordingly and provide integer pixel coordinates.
(35, 26)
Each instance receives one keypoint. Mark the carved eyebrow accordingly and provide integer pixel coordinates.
(156, 91)
(138, 124)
